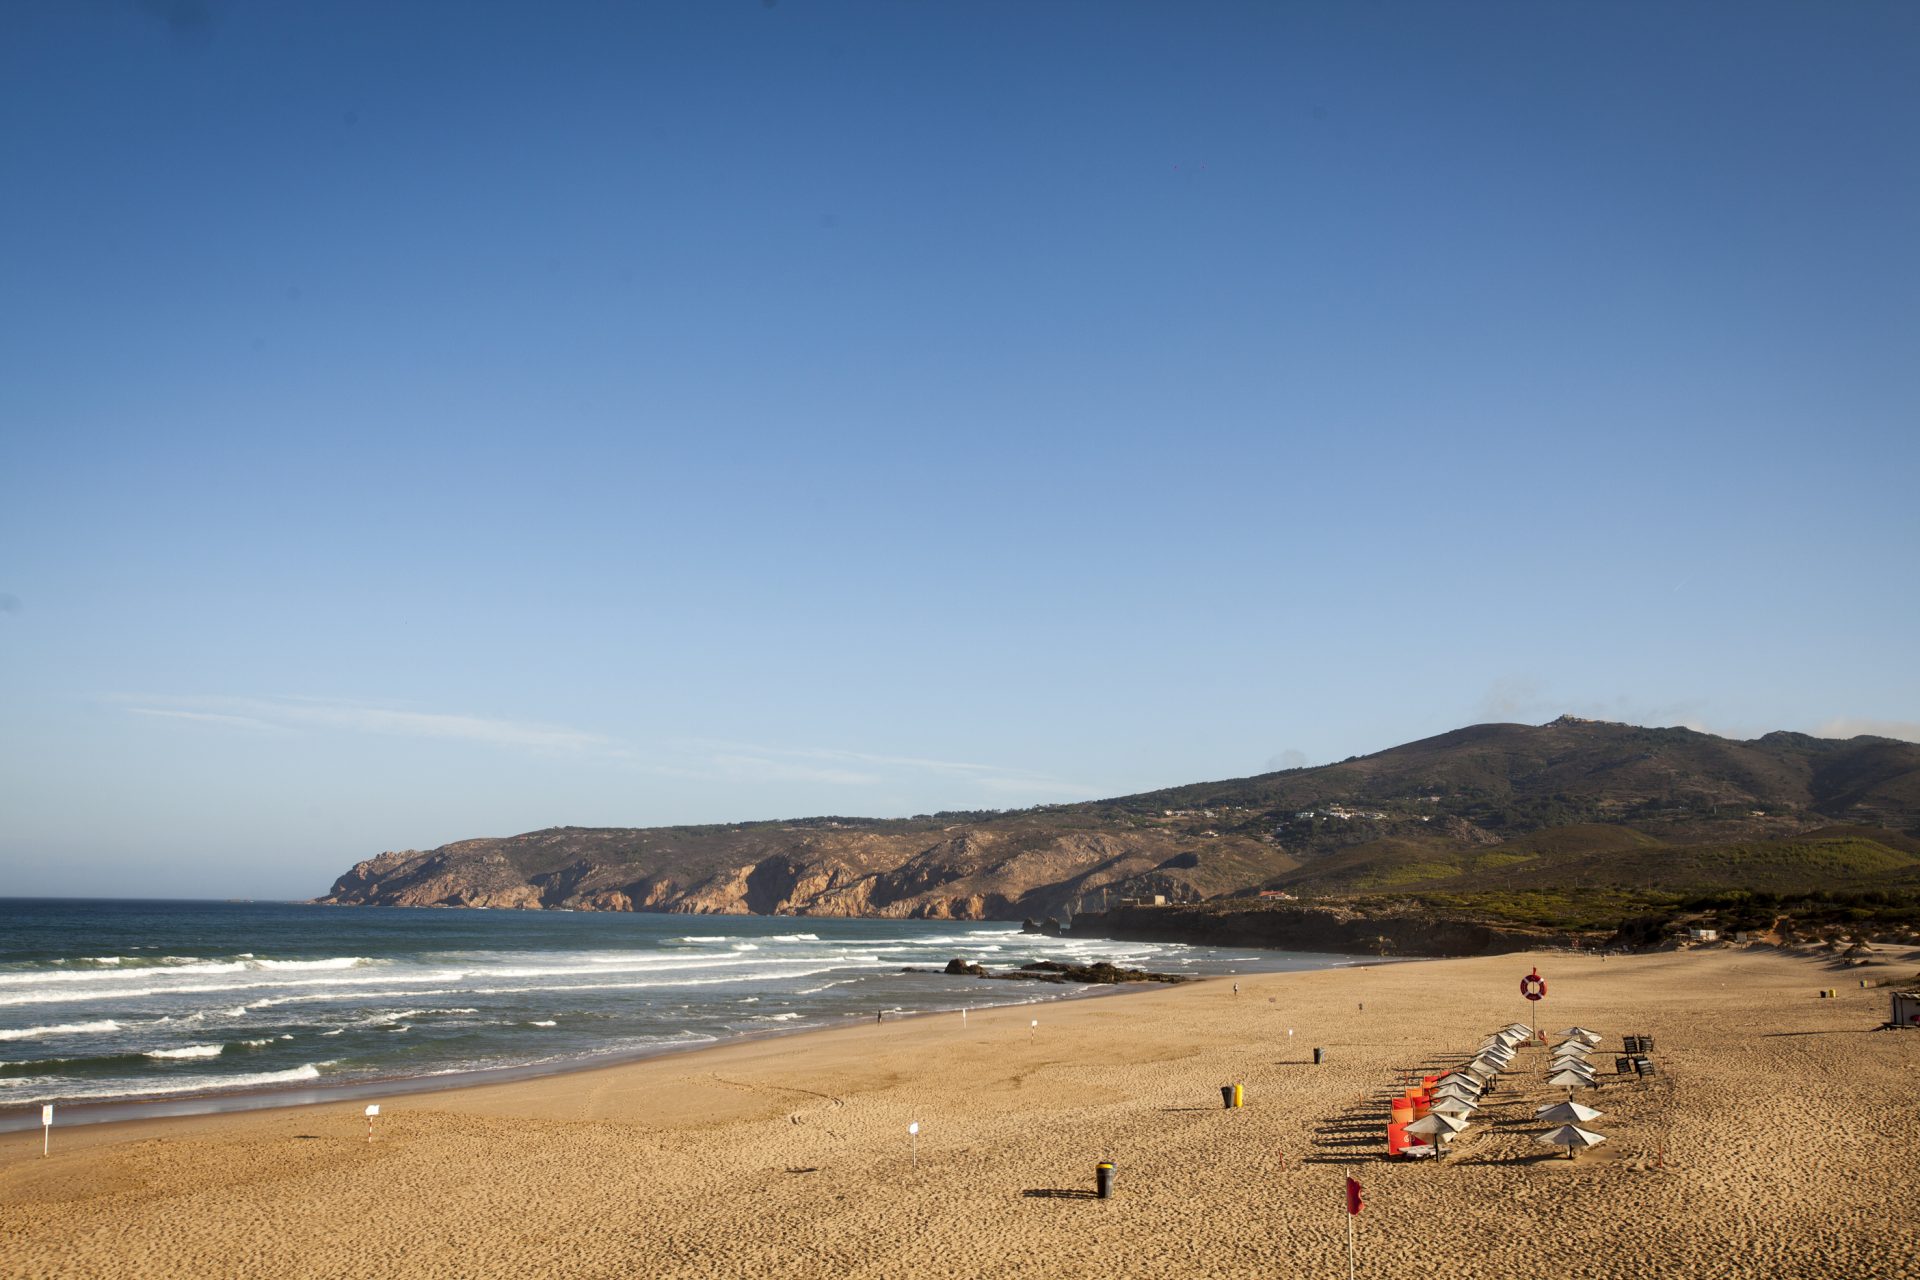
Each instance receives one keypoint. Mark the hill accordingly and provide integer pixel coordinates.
(1614, 811)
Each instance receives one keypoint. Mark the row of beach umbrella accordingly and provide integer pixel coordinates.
(1568, 1068)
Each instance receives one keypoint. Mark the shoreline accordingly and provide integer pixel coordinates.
(266, 1103)
(25, 1116)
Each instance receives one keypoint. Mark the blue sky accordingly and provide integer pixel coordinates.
(428, 421)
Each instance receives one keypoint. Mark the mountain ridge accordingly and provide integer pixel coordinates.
(1592, 797)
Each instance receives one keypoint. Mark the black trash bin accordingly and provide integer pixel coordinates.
(1103, 1179)
(1319, 1056)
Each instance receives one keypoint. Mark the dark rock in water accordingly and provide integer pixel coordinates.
(1051, 928)
(1100, 972)
(1030, 925)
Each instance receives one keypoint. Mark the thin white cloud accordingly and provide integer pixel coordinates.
(210, 717)
(990, 777)
(1853, 727)
(760, 769)
(366, 718)
(428, 724)
(697, 761)
(857, 757)
(1042, 787)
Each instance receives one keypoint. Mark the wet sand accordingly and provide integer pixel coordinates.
(1781, 1139)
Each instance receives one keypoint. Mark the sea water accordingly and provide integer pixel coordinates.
(204, 1005)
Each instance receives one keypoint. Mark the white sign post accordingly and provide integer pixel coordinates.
(913, 1136)
(373, 1109)
(1033, 1029)
(46, 1128)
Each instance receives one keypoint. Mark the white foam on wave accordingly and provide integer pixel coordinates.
(63, 1088)
(654, 986)
(794, 937)
(61, 1029)
(65, 997)
(116, 969)
(544, 1022)
(335, 962)
(662, 963)
(188, 1051)
(775, 1017)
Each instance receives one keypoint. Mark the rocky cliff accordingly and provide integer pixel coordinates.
(1000, 871)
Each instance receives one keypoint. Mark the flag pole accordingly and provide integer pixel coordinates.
(1352, 1207)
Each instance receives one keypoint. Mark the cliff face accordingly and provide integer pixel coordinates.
(1492, 806)
(954, 872)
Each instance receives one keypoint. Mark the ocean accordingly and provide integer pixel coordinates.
(173, 1007)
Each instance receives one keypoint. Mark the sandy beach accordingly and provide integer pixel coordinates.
(1781, 1139)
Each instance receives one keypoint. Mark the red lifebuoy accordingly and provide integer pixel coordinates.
(1533, 986)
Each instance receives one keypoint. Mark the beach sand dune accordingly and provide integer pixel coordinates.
(1781, 1139)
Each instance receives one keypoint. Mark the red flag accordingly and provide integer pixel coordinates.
(1353, 1196)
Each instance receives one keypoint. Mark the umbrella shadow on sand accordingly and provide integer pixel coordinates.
(1058, 1193)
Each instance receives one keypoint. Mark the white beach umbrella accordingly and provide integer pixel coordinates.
(1454, 1107)
(1585, 1033)
(1435, 1125)
(1578, 1068)
(1570, 1080)
(1568, 1055)
(1521, 1027)
(1460, 1078)
(1572, 1137)
(1568, 1112)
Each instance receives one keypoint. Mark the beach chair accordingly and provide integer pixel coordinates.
(1623, 1066)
